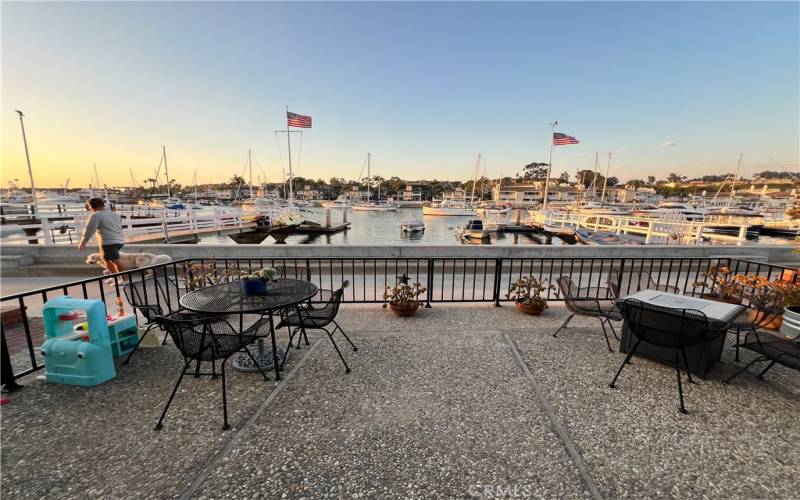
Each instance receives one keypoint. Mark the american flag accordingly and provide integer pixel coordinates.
(560, 139)
(299, 121)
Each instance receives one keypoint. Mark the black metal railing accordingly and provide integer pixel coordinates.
(446, 280)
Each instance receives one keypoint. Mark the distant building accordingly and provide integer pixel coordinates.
(528, 195)
(411, 193)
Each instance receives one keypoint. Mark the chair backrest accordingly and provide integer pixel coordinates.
(153, 296)
(202, 337)
(336, 299)
(623, 284)
(668, 327)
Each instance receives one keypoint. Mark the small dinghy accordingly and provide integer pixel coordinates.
(412, 226)
(605, 238)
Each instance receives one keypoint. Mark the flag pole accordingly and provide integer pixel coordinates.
(549, 163)
(289, 145)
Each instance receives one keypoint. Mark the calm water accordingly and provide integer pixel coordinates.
(383, 228)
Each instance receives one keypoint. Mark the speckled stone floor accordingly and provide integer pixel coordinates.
(458, 401)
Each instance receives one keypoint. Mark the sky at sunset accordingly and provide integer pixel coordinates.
(666, 86)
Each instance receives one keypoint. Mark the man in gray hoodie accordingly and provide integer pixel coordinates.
(108, 226)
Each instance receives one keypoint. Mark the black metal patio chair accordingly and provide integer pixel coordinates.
(317, 315)
(153, 297)
(772, 347)
(670, 328)
(202, 340)
(753, 318)
(626, 283)
(591, 302)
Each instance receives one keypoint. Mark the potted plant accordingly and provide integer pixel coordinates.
(402, 298)
(256, 283)
(763, 296)
(790, 291)
(527, 294)
(723, 285)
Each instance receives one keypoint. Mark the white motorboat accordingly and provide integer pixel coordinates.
(474, 230)
(450, 207)
(412, 226)
(493, 210)
(340, 202)
(375, 206)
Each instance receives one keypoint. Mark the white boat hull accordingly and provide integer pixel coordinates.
(451, 212)
(358, 208)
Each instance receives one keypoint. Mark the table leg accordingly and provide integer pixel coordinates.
(274, 347)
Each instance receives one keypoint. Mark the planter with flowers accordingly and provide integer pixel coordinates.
(527, 294)
(403, 298)
(256, 283)
(722, 285)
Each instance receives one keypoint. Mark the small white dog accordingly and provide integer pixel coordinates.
(129, 261)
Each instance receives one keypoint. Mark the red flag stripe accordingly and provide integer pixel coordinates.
(299, 121)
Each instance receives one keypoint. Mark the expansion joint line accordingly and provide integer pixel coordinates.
(201, 477)
(563, 435)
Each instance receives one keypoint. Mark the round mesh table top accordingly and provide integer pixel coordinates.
(229, 298)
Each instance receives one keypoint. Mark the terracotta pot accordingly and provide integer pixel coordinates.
(727, 300)
(529, 309)
(775, 324)
(404, 310)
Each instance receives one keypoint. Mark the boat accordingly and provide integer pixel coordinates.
(605, 238)
(474, 230)
(782, 228)
(289, 218)
(493, 210)
(373, 206)
(340, 202)
(594, 208)
(687, 210)
(455, 204)
(558, 230)
(412, 226)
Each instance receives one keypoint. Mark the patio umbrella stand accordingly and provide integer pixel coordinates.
(262, 354)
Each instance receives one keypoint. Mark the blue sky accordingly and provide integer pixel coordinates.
(423, 87)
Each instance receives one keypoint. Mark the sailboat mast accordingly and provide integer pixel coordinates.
(166, 170)
(735, 178)
(194, 180)
(594, 177)
(475, 178)
(369, 178)
(250, 166)
(28, 159)
(605, 180)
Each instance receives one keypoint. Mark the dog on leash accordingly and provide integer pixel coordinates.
(130, 261)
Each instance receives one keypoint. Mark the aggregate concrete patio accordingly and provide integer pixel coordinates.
(467, 401)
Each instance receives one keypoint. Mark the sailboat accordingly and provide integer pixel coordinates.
(159, 201)
(455, 204)
(373, 206)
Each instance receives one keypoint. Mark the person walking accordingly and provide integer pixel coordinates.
(108, 227)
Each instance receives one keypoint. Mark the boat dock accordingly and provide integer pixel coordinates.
(656, 231)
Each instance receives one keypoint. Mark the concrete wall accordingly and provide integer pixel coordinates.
(65, 255)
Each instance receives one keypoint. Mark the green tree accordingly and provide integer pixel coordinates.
(563, 178)
(651, 180)
(535, 171)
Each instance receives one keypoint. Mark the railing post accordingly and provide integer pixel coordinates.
(498, 269)
(430, 284)
(6, 370)
(48, 235)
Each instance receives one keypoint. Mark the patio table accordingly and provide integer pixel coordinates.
(229, 298)
(702, 356)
